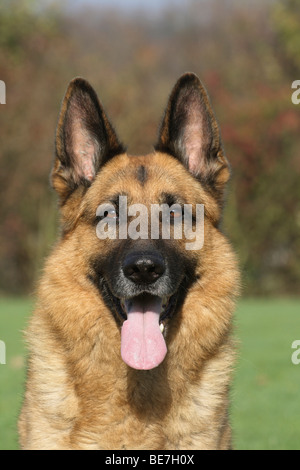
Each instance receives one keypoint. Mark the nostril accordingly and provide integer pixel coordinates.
(129, 270)
(143, 269)
(159, 269)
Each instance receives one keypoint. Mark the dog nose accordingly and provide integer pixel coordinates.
(143, 268)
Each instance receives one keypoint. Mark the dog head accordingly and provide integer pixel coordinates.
(107, 201)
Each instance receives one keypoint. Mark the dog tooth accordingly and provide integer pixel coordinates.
(162, 327)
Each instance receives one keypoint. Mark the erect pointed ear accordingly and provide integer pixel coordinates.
(189, 131)
(85, 139)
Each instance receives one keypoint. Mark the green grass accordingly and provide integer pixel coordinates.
(265, 396)
(13, 315)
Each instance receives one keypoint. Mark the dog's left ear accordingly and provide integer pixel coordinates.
(190, 132)
(85, 139)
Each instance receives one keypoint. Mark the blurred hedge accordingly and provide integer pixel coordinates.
(246, 55)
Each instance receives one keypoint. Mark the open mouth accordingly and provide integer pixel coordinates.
(143, 344)
(167, 306)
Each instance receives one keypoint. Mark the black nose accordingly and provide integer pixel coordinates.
(143, 268)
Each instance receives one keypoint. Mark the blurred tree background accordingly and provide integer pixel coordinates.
(247, 53)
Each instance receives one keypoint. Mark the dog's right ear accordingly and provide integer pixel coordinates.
(85, 139)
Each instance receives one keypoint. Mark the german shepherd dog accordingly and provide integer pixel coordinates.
(130, 345)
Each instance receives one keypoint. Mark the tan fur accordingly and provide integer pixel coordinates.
(79, 392)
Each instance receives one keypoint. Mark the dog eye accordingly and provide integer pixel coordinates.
(111, 214)
(175, 213)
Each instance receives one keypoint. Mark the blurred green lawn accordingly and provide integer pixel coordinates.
(265, 397)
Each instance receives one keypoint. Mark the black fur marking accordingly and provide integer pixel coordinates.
(142, 174)
(106, 274)
(170, 199)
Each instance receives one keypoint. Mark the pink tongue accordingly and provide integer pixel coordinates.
(142, 343)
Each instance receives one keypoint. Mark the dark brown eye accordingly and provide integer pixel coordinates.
(112, 214)
(175, 213)
(106, 211)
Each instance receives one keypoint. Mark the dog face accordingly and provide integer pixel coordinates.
(143, 276)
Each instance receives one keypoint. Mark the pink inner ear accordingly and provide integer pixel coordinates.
(194, 145)
(85, 150)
